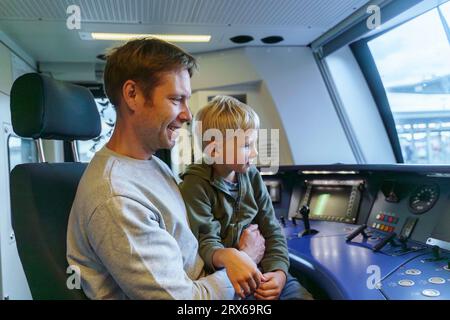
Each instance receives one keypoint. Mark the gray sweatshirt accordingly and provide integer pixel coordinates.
(128, 233)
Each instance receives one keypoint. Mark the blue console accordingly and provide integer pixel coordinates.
(351, 270)
(383, 231)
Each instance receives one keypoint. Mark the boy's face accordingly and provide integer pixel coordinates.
(240, 152)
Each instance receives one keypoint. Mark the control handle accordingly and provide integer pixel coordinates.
(360, 230)
(304, 212)
(380, 245)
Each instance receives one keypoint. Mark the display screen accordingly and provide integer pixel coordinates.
(329, 201)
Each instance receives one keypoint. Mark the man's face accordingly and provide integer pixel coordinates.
(159, 118)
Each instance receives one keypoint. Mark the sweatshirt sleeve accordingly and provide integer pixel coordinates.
(276, 256)
(143, 258)
(202, 221)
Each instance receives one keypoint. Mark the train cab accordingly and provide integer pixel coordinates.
(353, 99)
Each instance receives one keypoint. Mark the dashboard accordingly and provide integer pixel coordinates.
(367, 232)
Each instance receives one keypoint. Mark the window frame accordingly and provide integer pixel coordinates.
(366, 62)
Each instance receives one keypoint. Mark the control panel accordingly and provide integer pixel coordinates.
(411, 207)
(396, 219)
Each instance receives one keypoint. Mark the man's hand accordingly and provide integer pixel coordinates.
(241, 270)
(252, 243)
(271, 289)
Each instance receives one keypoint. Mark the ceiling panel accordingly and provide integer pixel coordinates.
(314, 13)
(39, 26)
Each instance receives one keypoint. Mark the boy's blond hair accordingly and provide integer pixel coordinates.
(222, 113)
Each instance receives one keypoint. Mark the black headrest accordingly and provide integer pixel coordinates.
(42, 107)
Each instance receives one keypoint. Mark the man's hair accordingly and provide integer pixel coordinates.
(144, 61)
(222, 113)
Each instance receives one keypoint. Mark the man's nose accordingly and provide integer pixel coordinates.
(186, 114)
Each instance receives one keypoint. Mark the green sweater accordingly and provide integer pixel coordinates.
(217, 218)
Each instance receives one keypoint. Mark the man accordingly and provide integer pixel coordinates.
(128, 230)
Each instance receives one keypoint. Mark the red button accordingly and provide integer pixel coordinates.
(381, 217)
(391, 219)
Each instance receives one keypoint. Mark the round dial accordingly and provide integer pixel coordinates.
(423, 198)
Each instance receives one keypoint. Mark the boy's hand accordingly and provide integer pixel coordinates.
(271, 289)
(252, 243)
(242, 272)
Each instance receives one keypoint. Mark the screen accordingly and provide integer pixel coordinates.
(442, 229)
(329, 201)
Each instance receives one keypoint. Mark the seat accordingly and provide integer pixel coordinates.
(42, 193)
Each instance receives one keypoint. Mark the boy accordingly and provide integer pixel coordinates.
(228, 195)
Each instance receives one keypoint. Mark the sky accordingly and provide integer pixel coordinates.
(415, 51)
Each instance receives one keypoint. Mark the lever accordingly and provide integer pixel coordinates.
(360, 230)
(294, 221)
(283, 221)
(304, 211)
(436, 251)
(403, 242)
(380, 245)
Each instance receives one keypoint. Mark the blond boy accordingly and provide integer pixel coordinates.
(226, 194)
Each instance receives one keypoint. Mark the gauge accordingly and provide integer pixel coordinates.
(423, 198)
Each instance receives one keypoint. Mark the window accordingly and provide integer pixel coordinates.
(413, 61)
(87, 149)
(20, 150)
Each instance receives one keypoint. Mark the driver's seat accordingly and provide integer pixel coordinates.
(42, 193)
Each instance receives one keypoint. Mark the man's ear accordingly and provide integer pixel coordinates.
(129, 94)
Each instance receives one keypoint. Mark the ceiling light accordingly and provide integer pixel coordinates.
(129, 36)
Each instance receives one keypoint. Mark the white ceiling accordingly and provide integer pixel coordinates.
(39, 26)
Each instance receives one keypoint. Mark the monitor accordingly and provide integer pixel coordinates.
(333, 200)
